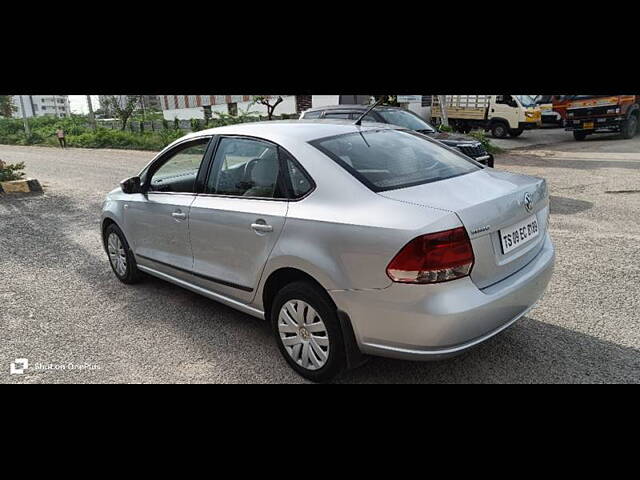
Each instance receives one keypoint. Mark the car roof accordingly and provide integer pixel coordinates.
(352, 107)
(297, 130)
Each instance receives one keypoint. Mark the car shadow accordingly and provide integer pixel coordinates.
(568, 206)
(530, 351)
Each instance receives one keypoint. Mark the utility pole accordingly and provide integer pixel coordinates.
(27, 130)
(442, 99)
(92, 118)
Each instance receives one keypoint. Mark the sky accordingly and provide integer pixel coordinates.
(78, 103)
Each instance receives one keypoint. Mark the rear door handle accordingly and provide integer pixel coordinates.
(179, 215)
(261, 227)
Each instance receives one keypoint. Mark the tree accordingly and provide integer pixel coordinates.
(266, 101)
(122, 106)
(7, 108)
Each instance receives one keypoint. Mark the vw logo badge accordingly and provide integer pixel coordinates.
(528, 201)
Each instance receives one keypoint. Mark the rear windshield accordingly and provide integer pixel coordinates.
(391, 159)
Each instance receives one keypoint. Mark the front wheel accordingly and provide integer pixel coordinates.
(630, 127)
(121, 258)
(308, 332)
(499, 130)
(579, 136)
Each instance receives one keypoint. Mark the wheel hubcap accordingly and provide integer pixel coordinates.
(303, 334)
(117, 254)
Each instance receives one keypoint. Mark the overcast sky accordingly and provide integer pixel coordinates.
(78, 103)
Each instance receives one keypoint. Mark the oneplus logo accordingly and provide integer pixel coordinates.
(19, 366)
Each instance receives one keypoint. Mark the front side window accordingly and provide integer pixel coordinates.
(178, 173)
(391, 159)
(245, 168)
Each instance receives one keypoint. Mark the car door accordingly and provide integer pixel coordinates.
(158, 218)
(502, 106)
(237, 219)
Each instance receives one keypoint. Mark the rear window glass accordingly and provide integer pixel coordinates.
(391, 159)
(315, 114)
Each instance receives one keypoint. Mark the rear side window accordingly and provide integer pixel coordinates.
(300, 182)
(344, 115)
(391, 159)
(315, 114)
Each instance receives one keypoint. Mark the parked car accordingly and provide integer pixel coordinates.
(403, 118)
(549, 116)
(350, 240)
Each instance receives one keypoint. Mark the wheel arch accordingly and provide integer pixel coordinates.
(281, 277)
(106, 222)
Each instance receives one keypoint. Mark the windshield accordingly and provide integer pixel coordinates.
(405, 119)
(391, 159)
(584, 97)
(526, 100)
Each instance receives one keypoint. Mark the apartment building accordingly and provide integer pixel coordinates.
(147, 101)
(42, 105)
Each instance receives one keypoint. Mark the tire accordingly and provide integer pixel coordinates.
(499, 130)
(302, 353)
(630, 127)
(123, 263)
(515, 132)
(579, 136)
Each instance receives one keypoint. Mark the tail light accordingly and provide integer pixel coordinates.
(436, 257)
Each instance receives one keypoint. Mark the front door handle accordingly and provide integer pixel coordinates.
(179, 215)
(261, 227)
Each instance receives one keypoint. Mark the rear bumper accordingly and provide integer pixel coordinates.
(424, 322)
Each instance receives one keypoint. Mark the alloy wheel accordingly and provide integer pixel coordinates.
(117, 254)
(303, 334)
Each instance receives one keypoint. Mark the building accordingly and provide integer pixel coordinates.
(186, 107)
(148, 101)
(42, 105)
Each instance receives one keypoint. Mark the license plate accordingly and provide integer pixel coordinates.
(519, 234)
(587, 125)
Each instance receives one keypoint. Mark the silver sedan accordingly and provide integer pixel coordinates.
(350, 240)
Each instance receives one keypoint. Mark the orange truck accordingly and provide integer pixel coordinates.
(587, 114)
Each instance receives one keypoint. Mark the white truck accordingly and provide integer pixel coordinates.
(501, 114)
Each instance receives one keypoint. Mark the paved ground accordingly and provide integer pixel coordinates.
(548, 135)
(60, 305)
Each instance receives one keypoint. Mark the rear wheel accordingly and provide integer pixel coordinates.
(499, 130)
(515, 132)
(308, 332)
(121, 258)
(630, 127)
(579, 136)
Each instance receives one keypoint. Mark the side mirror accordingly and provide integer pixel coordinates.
(131, 185)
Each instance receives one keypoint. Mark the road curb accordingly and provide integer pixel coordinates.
(21, 186)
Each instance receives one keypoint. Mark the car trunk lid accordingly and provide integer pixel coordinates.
(488, 202)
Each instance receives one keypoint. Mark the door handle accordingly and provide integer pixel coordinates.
(179, 215)
(261, 227)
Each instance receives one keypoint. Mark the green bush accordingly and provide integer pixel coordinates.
(9, 172)
(482, 138)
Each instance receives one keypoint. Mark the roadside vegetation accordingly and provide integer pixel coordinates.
(10, 172)
(80, 133)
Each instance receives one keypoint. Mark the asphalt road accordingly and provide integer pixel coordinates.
(61, 306)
